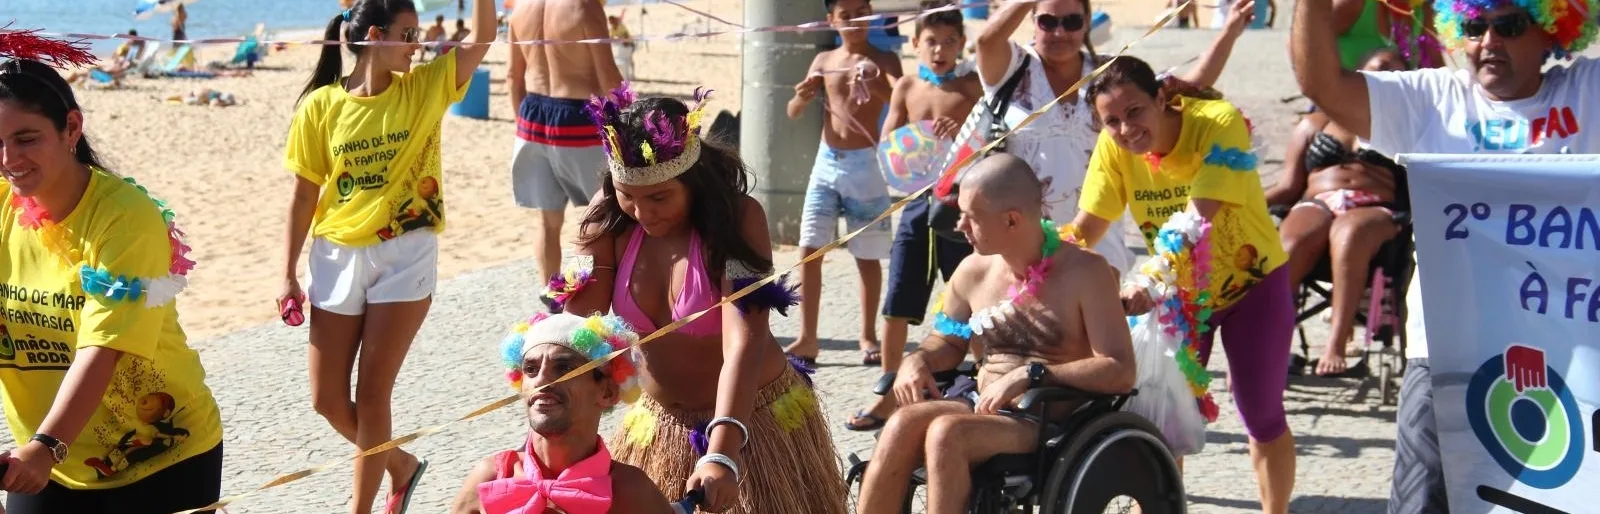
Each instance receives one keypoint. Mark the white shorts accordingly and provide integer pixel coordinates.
(345, 279)
(847, 183)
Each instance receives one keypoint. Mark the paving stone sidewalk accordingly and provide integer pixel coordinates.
(1345, 439)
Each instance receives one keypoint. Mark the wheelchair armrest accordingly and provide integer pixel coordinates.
(942, 378)
(1041, 396)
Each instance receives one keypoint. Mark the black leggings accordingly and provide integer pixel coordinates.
(195, 482)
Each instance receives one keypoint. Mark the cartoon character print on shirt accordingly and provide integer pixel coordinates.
(1241, 270)
(423, 207)
(152, 433)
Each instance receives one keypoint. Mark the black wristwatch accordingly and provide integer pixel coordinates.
(1035, 374)
(58, 449)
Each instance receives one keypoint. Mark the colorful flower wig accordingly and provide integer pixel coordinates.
(594, 337)
(1571, 24)
(673, 145)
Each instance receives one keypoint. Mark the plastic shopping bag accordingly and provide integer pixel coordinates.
(1164, 396)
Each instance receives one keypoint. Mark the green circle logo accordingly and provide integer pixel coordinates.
(7, 351)
(1522, 412)
(346, 184)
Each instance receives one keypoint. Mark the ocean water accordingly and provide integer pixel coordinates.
(207, 18)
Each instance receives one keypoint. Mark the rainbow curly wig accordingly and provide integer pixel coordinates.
(594, 337)
(1571, 24)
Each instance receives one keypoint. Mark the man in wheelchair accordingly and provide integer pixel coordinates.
(1040, 312)
(1354, 202)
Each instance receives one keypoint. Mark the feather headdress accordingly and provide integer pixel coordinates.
(29, 45)
(671, 145)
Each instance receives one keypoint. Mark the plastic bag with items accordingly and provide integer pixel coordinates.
(1164, 397)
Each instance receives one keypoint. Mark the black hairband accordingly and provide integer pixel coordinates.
(18, 72)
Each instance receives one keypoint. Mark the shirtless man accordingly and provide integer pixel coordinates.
(563, 448)
(858, 81)
(557, 158)
(939, 92)
(1073, 333)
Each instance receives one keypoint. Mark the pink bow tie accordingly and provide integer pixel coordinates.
(583, 488)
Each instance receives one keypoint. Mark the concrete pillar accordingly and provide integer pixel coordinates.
(779, 151)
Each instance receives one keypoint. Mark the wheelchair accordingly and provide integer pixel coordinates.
(1102, 458)
(1383, 314)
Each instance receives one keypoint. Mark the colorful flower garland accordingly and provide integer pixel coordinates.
(99, 281)
(1176, 277)
(598, 337)
(986, 318)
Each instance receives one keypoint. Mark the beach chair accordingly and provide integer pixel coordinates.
(175, 66)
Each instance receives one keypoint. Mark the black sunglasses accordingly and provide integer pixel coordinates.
(1510, 25)
(1049, 22)
(411, 34)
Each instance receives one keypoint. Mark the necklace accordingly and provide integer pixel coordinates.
(102, 282)
(986, 318)
(937, 79)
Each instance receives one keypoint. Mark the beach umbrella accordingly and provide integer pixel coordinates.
(144, 9)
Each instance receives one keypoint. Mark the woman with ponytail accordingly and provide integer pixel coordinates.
(105, 399)
(364, 149)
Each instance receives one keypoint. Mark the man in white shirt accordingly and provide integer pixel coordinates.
(1503, 103)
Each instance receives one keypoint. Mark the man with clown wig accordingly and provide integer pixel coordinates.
(563, 464)
(1504, 102)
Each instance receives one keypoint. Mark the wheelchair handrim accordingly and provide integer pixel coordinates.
(1080, 473)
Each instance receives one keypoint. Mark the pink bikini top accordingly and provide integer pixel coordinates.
(698, 292)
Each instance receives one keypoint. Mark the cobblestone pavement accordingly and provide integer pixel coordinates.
(1344, 437)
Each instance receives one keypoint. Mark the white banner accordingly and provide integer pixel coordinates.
(1508, 252)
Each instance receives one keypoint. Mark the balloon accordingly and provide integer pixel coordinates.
(912, 158)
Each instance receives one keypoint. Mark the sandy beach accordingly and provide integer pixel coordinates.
(221, 168)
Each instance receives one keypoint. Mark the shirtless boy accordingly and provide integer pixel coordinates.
(1072, 333)
(858, 81)
(557, 158)
(941, 93)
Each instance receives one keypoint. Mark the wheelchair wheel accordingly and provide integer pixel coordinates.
(1112, 463)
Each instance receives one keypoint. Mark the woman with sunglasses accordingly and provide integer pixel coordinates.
(1506, 101)
(1057, 145)
(364, 149)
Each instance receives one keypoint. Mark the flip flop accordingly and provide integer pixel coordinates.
(866, 414)
(871, 357)
(403, 496)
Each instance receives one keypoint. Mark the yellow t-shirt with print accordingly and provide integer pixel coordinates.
(381, 154)
(157, 410)
(1211, 160)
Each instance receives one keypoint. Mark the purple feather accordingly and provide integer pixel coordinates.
(778, 295)
(664, 137)
(698, 439)
(701, 94)
(800, 366)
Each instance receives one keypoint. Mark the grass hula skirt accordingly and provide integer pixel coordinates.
(789, 465)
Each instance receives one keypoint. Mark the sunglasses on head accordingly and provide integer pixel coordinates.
(1049, 22)
(410, 35)
(1510, 25)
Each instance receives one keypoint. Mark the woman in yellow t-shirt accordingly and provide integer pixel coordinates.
(107, 402)
(1161, 154)
(368, 191)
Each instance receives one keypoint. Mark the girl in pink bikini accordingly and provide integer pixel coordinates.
(673, 232)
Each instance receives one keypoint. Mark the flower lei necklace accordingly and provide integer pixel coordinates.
(986, 318)
(1177, 278)
(99, 281)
